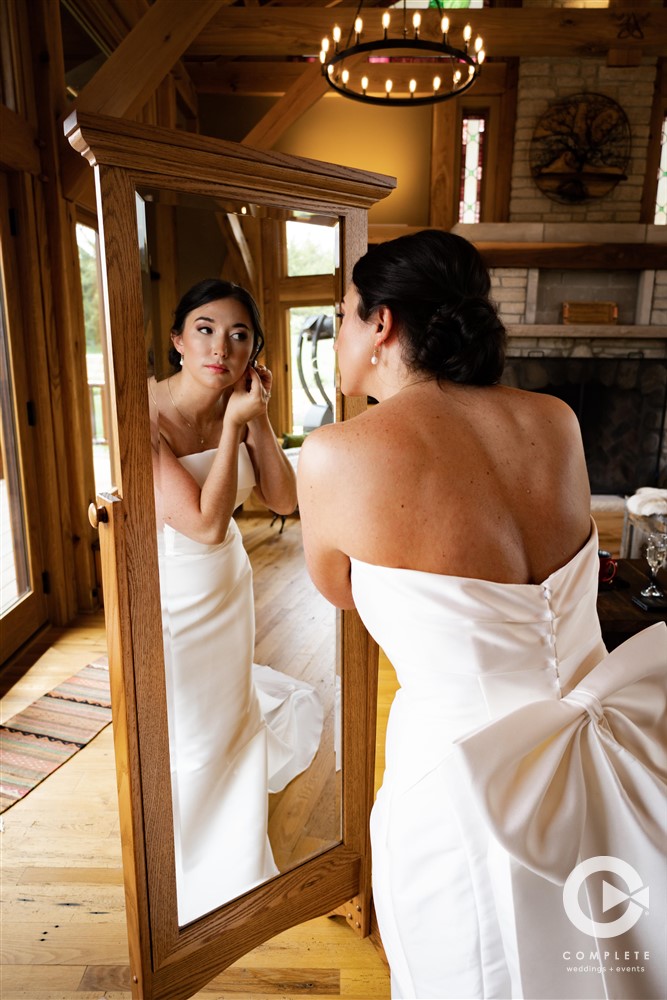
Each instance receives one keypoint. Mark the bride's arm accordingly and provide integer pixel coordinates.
(322, 509)
(203, 514)
(276, 482)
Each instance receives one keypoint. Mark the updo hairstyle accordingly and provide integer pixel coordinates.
(437, 288)
(210, 290)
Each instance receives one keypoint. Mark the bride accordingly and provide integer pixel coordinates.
(455, 517)
(236, 730)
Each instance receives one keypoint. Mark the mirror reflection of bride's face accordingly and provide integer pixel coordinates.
(216, 343)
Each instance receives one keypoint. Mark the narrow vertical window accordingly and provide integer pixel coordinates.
(661, 196)
(472, 152)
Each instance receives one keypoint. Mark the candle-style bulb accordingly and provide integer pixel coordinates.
(481, 56)
(444, 25)
(467, 33)
(413, 86)
(478, 43)
(436, 83)
(345, 76)
(336, 34)
(416, 21)
(364, 84)
(323, 56)
(457, 76)
(387, 86)
(330, 69)
(358, 26)
(386, 18)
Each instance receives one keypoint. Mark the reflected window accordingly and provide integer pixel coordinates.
(96, 361)
(311, 249)
(472, 150)
(313, 367)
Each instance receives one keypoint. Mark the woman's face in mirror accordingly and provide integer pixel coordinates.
(216, 343)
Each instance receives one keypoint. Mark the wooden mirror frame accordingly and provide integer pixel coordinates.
(167, 960)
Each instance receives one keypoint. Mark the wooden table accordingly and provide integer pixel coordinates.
(619, 617)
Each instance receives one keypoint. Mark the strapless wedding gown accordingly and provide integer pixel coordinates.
(237, 730)
(517, 748)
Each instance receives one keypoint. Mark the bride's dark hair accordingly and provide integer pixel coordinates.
(210, 290)
(437, 288)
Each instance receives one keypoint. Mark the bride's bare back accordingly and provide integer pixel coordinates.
(483, 482)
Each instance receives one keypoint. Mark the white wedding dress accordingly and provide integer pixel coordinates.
(236, 730)
(516, 748)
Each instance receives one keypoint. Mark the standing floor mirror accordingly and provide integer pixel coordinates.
(174, 208)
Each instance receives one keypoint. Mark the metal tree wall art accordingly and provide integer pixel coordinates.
(580, 148)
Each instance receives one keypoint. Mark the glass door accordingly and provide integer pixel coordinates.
(22, 602)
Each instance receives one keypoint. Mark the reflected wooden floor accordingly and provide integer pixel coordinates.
(296, 633)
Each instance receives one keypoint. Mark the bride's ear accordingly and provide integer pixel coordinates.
(384, 322)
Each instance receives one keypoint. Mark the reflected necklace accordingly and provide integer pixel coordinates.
(185, 420)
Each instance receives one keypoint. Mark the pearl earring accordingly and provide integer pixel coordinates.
(374, 355)
(182, 357)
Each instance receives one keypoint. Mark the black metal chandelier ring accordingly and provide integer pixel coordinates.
(404, 44)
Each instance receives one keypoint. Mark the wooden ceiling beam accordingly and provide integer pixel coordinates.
(272, 79)
(559, 32)
(134, 69)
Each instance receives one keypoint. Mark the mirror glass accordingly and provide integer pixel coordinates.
(251, 653)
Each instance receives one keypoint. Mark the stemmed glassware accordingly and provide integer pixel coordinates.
(656, 556)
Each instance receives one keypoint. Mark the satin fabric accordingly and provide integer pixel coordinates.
(516, 747)
(237, 730)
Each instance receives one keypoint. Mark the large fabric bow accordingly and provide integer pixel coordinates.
(558, 780)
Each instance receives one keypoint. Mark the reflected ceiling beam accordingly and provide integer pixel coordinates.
(272, 79)
(304, 92)
(136, 67)
(274, 31)
(237, 246)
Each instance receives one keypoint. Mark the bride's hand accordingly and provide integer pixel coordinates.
(250, 396)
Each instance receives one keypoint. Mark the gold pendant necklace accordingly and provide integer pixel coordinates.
(182, 415)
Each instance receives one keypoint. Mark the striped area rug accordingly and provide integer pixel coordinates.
(38, 740)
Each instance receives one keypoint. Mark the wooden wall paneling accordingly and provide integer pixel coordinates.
(445, 155)
(658, 112)
(18, 150)
(65, 310)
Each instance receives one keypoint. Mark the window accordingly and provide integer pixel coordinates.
(472, 152)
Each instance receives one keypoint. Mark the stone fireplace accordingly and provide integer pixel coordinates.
(614, 376)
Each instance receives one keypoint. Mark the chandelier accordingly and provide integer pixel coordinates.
(437, 70)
